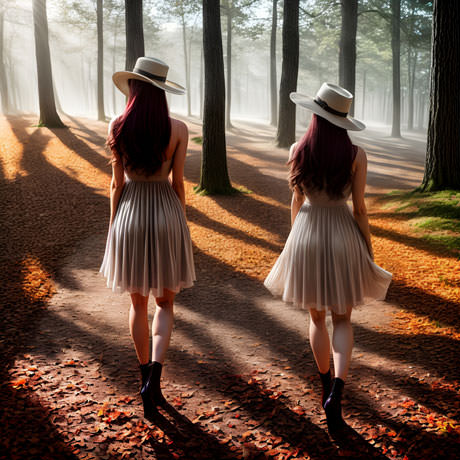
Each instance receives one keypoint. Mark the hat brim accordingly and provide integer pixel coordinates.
(308, 102)
(121, 78)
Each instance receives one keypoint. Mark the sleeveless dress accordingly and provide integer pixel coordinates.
(148, 247)
(325, 263)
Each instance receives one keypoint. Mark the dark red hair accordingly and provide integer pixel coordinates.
(322, 159)
(141, 134)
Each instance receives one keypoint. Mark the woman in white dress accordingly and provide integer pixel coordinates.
(148, 248)
(327, 262)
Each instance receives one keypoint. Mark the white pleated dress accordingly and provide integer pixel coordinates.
(325, 263)
(148, 248)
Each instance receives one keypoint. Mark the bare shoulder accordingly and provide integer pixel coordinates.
(179, 128)
(292, 150)
(361, 152)
(361, 157)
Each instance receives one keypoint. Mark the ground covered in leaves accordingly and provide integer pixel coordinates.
(240, 378)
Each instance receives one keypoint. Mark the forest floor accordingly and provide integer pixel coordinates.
(239, 376)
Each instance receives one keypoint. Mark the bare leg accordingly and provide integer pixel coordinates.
(342, 343)
(319, 339)
(162, 325)
(139, 326)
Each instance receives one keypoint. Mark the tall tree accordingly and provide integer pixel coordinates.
(347, 48)
(48, 113)
(289, 70)
(273, 80)
(237, 13)
(214, 173)
(100, 61)
(442, 167)
(228, 107)
(396, 57)
(416, 18)
(134, 32)
(186, 11)
(3, 81)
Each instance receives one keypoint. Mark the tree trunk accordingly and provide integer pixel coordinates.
(289, 70)
(214, 174)
(347, 50)
(442, 166)
(3, 81)
(412, 65)
(201, 84)
(48, 114)
(134, 32)
(100, 62)
(273, 82)
(421, 110)
(187, 65)
(114, 54)
(396, 55)
(364, 95)
(228, 108)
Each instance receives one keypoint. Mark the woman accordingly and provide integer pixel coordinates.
(327, 262)
(148, 246)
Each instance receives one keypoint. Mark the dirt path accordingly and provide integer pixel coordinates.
(239, 376)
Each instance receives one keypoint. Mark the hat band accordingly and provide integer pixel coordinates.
(149, 75)
(325, 106)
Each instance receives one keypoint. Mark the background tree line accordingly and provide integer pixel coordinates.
(378, 49)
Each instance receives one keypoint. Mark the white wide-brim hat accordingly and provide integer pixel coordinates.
(150, 70)
(333, 103)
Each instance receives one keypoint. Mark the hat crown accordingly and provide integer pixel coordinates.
(335, 97)
(152, 66)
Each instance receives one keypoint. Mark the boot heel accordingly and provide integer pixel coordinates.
(149, 408)
(326, 383)
(333, 407)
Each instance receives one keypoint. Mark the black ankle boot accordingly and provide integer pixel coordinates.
(333, 406)
(157, 397)
(326, 382)
(146, 371)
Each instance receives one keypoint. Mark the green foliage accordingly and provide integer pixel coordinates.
(218, 191)
(435, 215)
(198, 140)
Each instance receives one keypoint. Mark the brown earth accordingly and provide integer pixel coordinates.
(239, 375)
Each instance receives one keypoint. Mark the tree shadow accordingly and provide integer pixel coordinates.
(28, 234)
(432, 247)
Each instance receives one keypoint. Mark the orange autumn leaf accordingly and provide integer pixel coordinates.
(20, 383)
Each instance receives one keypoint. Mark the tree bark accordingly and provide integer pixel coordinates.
(100, 62)
(412, 65)
(187, 64)
(3, 81)
(364, 95)
(48, 113)
(273, 82)
(214, 173)
(201, 83)
(289, 71)
(228, 107)
(396, 56)
(442, 166)
(134, 32)
(347, 49)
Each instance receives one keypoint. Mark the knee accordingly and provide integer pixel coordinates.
(139, 302)
(164, 303)
(318, 318)
(341, 319)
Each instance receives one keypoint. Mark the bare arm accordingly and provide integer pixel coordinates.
(297, 201)
(179, 162)
(359, 205)
(116, 187)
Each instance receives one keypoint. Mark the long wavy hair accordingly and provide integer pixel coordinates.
(140, 135)
(322, 159)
